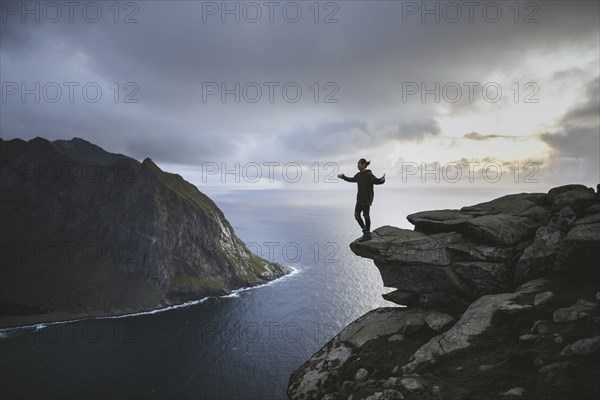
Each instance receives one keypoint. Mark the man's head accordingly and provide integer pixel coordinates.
(363, 164)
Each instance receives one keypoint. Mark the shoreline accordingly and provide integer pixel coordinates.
(59, 317)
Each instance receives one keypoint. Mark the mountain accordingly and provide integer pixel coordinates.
(502, 301)
(85, 232)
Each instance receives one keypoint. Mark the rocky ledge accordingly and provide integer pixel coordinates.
(502, 302)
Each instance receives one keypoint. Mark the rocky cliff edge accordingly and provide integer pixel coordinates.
(502, 302)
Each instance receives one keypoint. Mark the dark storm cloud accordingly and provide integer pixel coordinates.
(589, 110)
(361, 62)
(576, 148)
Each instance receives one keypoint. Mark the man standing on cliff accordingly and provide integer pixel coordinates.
(364, 198)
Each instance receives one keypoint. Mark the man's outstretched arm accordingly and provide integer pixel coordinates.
(379, 181)
(347, 178)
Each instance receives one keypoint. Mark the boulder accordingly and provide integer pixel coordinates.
(564, 219)
(438, 321)
(582, 347)
(383, 241)
(391, 321)
(589, 219)
(579, 251)
(470, 251)
(572, 313)
(438, 221)
(420, 278)
(473, 324)
(554, 192)
(499, 229)
(512, 204)
(577, 197)
(483, 277)
(491, 228)
(538, 258)
(337, 361)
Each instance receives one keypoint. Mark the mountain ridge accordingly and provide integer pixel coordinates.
(86, 232)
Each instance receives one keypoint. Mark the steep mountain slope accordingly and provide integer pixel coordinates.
(87, 232)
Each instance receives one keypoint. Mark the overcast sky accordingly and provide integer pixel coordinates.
(196, 86)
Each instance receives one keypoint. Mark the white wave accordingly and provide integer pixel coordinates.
(234, 293)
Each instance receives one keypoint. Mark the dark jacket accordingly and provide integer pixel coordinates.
(365, 181)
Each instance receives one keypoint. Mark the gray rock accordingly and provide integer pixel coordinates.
(398, 337)
(558, 340)
(512, 204)
(559, 365)
(593, 209)
(411, 384)
(537, 214)
(502, 229)
(402, 297)
(564, 220)
(473, 323)
(585, 234)
(469, 251)
(516, 391)
(573, 313)
(534, 286)
(486, 367)
(542, 299)
(318, 369)
(419, 278)
(541, 326)
(427, 300)
(471, 326)
(528, 337)
(582, 347)
(577, 199)
(391, 394)
(483, 277)
(383, 240)
(499, 229)
(382, 322)
(554, 192)
(587, 303)
(589, 219)
(440, 299)
(391, 382)
(510, 308)
(438, 321)
(438, 221)
(430, 250)
(361, 374)
(580, 250)
(538, 258)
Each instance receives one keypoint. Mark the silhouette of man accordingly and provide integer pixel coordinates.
(364, 197)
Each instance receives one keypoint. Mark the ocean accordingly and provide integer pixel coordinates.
(241, 346)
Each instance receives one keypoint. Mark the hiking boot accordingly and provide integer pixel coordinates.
(366, 236)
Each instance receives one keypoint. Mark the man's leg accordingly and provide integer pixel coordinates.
(357, 216)
(366, 210)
